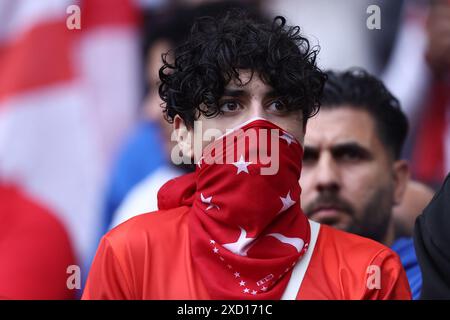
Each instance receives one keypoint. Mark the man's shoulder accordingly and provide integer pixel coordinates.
(355, 248)
(349, 266)
(152, 226)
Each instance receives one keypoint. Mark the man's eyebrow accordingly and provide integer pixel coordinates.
(272, 94)
(236, 93)
(311, 148)
(311, 151)
(351, 147)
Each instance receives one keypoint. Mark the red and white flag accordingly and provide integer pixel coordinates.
(67, 97)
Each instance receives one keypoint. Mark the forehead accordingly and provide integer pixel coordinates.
(342, 125)
(250, 82)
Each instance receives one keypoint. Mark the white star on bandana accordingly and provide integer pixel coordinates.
(242, 165)
(287, 202)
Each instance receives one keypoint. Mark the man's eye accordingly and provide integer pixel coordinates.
(310, 157)
(349, 156)
(277, 106)
(229, 106)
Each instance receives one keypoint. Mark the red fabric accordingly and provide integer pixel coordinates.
(244, 240)
(183, 250)
(150, 257)
(34, 250)
(343, 264)
(100, 13)
(428, 155)
(33, 61)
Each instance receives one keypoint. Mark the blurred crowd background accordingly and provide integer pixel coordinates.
(81, 126)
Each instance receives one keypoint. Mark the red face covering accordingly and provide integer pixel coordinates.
(247, 229)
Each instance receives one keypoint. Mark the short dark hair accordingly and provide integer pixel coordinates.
(217, 48)
(357, 89)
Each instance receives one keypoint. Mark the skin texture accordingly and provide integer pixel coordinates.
(242, 102)
(349, 180)
(416, 198)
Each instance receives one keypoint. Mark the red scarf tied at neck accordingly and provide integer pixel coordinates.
(247, 229)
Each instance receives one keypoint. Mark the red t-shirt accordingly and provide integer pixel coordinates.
(149, 257)
(34, 250)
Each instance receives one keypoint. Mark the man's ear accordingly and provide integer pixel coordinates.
(401, 178)
(184, 137)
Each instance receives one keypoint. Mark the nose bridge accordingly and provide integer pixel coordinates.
(256, 107)
(327, 171)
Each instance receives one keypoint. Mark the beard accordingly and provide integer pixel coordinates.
(375, 218)
(371, 222)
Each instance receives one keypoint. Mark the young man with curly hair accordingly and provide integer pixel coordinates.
(234, 229)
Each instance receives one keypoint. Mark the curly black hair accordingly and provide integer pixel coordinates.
(357, 89)
(199, 70)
